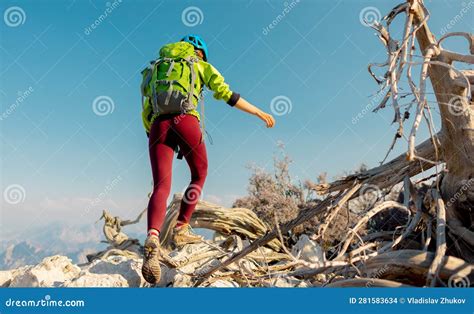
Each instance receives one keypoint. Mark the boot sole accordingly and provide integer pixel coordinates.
(151, 271)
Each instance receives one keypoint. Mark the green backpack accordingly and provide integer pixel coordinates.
(170, 83)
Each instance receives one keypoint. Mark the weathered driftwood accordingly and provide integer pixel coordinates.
(366, 283)
(261, 242)
(119, 242)
(303, 216)
(353, 231)
(113, 228)
(386, 175)
(410, 191)
(452, 146)
(413, 266)
(240, 221)
(440, 240)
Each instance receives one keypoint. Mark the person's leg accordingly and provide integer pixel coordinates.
(191, 143)
(161, 147)
(161, 158)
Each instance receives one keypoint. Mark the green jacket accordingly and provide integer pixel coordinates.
(206, 75)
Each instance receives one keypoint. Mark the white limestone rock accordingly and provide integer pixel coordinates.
(308, 250)
(129, 269)
(98, 280)
(53, 271)
(6, 277)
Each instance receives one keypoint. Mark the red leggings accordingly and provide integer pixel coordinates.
(166, 133)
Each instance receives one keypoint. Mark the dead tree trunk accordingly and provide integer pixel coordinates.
(453, 145)
(453, 92)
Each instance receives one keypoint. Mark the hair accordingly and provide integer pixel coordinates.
(197, 50)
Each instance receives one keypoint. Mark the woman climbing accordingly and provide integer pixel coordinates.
(171, 88)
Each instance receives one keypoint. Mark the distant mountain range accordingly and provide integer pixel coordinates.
(31, 246)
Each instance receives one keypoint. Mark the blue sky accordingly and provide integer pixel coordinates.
(70, 162)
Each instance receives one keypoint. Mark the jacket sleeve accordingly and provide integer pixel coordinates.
(215, 82)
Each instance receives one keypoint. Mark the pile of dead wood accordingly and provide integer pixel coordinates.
(247, 253)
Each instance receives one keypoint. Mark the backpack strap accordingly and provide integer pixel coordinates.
(146, 81)
(191, 60)
(169, 91)
(203, 129)
(170, 83)
(154, 103)
(168, 73)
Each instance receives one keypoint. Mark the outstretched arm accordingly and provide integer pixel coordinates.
(245, 106)
(215, 82)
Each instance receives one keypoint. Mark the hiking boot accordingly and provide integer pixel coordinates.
(183, 235)
(154, 255)
(151, 270)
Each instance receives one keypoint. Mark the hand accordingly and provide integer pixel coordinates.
(245, 106)
(267, 118)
